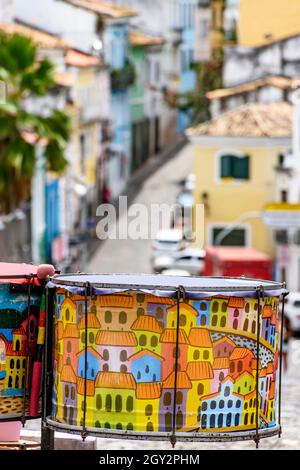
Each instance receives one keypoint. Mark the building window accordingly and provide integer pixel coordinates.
(72, 393)
(246, 419)
(98, 402)
(129, 404)
(143, 340)
(232, 367)
(105, 355)
(253, 328)
(220, 420)
(118, 403)
(154, 341)
(139, 375)
(123, 368)
(122, 318)
(97, 424)
(204, 406)
(11, 364)
(107, 426)
(179, 398)
(237, 420)
(18, 345)
(91, 337)
(167, 399)
(168, 422)
(246, 324)
(236, 237)
(206, 355)
(247, 307)
(240, 366)
(140, 311)
(224, 307)
(108, 316)
(108, 403)
(221, 404)
(203, 306)
(147, 369)
(18, 364)
(196, 355)
(215, 307)
(105, 368)
(203, 421)
(214, 320)
(230, 403)
(129, 427)
(123, 355)
(67, 314)
(140, 298)
(69, 347)
(200, 389)
(235, 167)
(159, 313)
(182, 320)
(148, 410)
(150, 427)
(227, 391)
(213, 405)
(223, 322)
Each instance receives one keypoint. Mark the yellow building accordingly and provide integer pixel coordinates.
(219, 313)
(200, 375)
(200, 346)
(244, 383)
(217, 27)
(187, 318)
(114, 401)
(267, 20)
(116, 312)
(90, 399)
(235, 157)
(147, 331)
(93, 326)
(68, 311)
(147, 406)
(249, 410)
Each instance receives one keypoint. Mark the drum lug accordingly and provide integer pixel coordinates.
(84, 435)
(173, 440)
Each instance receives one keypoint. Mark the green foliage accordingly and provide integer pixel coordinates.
(25, 77)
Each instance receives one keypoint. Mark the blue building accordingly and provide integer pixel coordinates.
(203, 309)
(93, 363)
(146, 366)
(222, 409)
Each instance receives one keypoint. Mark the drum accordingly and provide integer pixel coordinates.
(22, 327)
(166, 357)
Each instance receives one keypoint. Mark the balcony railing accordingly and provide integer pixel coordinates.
(123, 78)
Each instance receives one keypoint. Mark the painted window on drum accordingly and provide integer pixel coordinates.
(123, 355)
(105, 355)
(215, 307)
(205, 355)
(148, 410)
(154, 341)
(182, 320)
(122, 317)
(72, 393)
(129, 427)
(12, 364)
(143, 340)
(214, 320)
(150, 427)
(108, 403)
(69, 347)
(179, 398)
(200, 389)
(140, 311)
(167, 399)
(123, 368)
(129, 404)
(108, 316)
(91, 337)
(140, 298)
(118, 403)
(168, 422)
(159, 313)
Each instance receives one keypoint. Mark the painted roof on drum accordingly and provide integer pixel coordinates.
(115, 380)
(270, 368)
(225, 339)
(148, 390)
(253, 364)
(71, 331)
(236, 302)
(199, 370)
(182, 380)
(272, 391)
(90, 350)
(19, 331)
(221, 363)
(116, 338)
(17, 269)
(68, 374)
(159, 300)
(240, 353)
(267, 311)
(169, 336)
(200, 337)
(147, 323)
(92, 322)
(145, 352)
(90, 387)
(125, 301)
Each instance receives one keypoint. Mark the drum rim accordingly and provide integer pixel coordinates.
(266, 284)
(164, 436)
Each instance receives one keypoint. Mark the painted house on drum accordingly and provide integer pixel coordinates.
(131, 363)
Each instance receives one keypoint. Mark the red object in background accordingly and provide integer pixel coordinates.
(236, 261)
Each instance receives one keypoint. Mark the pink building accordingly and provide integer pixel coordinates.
(223, 347)
(236, 313)
(221, 370)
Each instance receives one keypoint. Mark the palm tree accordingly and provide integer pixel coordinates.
(23, 76)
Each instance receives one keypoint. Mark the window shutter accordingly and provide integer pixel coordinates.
(241, 168)
(226, 166)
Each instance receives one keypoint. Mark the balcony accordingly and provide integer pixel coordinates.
(176, 36)
(122, 78)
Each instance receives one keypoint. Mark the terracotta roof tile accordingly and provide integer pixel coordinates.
(92, 322)
(68, 374)
(201, 370)
(119, 380)
(143, 353)
(183, 381)
(90, 387)
(221, 363)
(116, 338)
(270, 368)
(40, 38)
(242, 374)
(138, 38)
(80, 59)
(183, 306)
(148, 391)
(240, 353)
(249, 120)
(102, 8)
(116, 300)
(200, 337)
(263, 372)
(169, 336)
(146, 323)
(236, 302)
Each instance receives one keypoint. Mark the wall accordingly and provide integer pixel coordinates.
(258, 18)
(229, 200)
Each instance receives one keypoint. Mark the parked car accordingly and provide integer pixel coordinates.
(292, 311)
(168, 242)
(175, 272)
(191, 260)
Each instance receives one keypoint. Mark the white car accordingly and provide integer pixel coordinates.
(190, 182)
(175, 272)
(167, 242)
(191, 260)
(292, 311)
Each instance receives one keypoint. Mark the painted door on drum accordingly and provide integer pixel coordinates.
(131, 363)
